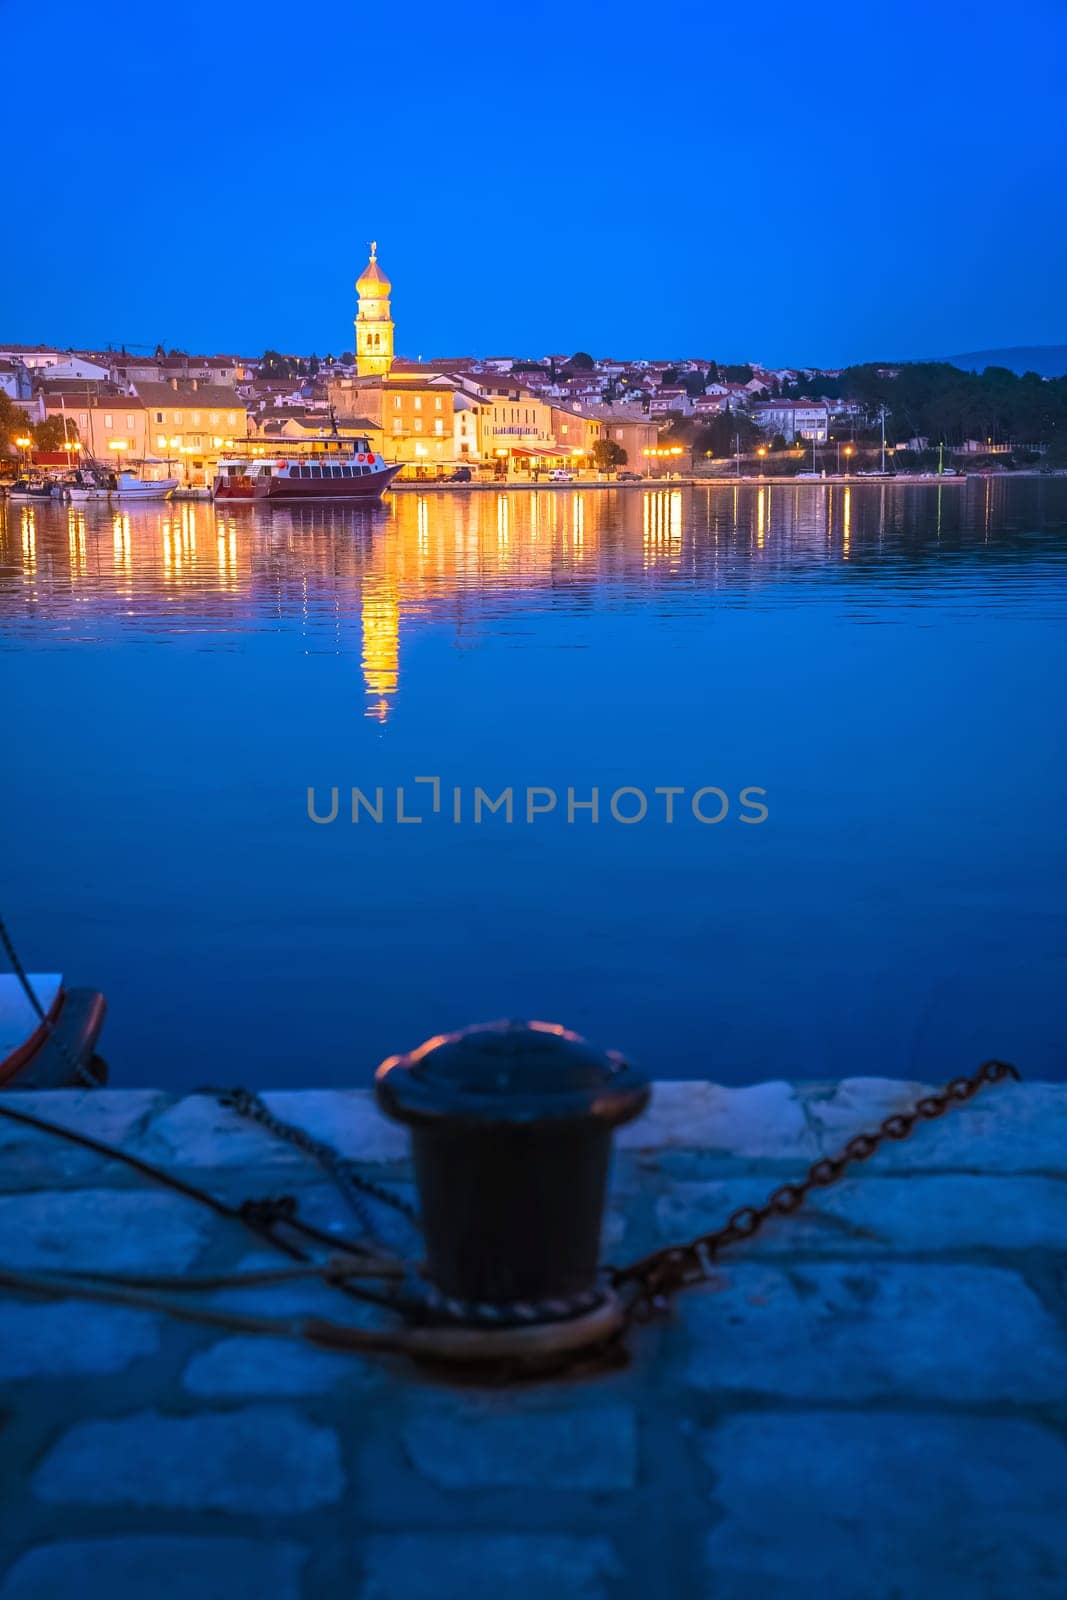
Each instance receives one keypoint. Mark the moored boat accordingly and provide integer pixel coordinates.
(32, 489)
(130, 487)
(339, 469)
(58, 1052)
(88, 483)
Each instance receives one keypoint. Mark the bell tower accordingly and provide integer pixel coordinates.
(374, 325)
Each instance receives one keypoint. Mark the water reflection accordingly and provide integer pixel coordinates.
(360, 578)
(878, 657)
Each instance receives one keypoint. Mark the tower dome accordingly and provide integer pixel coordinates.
(372, 284)
(374, 324)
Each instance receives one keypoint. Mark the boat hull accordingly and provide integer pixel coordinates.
(287, 491)
(145, 491)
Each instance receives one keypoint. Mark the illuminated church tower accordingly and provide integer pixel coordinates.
(374, 326)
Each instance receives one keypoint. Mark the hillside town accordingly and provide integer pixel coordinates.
(553, 417)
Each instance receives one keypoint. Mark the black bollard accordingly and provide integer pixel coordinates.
(511, 1129)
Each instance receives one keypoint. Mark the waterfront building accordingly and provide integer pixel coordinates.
(374, 323)
(794, 419)
(629, 428)
(111, 426)
(192, 425)
(413, 412)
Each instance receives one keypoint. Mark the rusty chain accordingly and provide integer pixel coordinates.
(354, 1186)
(675, 1267)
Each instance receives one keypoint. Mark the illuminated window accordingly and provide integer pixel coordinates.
(437, 402)
(438, 426)
(161, 441)
(396, 402)
(107, 420)
(130, 423)
(418, 402)
(418, 424)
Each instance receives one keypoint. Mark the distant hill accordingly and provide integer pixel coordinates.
(1050, 360)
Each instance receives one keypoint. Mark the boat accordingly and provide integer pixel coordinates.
(336, 469)
(88, 483)
(31, 489)
(58, 1053)
(129, 486)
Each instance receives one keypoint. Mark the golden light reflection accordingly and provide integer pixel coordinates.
(579, 519)
(661, 523)
(437, 558)
(120, 541)
(380, 619)
(846, 524)
(76, 540)
(28, 530)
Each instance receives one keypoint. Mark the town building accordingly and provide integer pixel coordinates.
(414, 413)
(627, 426)
(15, 380)
(108, 426)
(793, 419)
(191, 425)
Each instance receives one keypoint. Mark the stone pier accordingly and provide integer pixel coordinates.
(870, 1399)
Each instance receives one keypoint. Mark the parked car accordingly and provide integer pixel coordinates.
(461, 475)
(628, 477)
(561, 475)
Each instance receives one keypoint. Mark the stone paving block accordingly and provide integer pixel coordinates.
(487, 1566)
(488, 1444)
(1008, 1127)
(118, 1229)
(764, 1120)
(866, 1213)
(30, 1159)
(198, 1132)
(67, 1337)
(842, 1331)
(886, 1507)
(144, 1567)
(262, 1459)
(242, 1367)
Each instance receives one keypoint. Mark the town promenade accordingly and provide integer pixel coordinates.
(869, 1399)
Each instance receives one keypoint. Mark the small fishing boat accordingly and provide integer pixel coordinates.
(130, 487)
(88, 483)
(59, 1052)
(26, 489)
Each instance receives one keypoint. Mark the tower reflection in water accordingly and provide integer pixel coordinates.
(356, 579)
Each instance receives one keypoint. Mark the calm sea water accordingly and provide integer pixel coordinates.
(886, 663)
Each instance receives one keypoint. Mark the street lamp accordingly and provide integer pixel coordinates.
(848, 459)
(761, 451)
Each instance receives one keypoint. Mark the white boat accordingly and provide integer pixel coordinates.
(88, 483)
(130, 487)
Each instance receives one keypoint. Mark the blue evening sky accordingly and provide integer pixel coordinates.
(777, 182)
